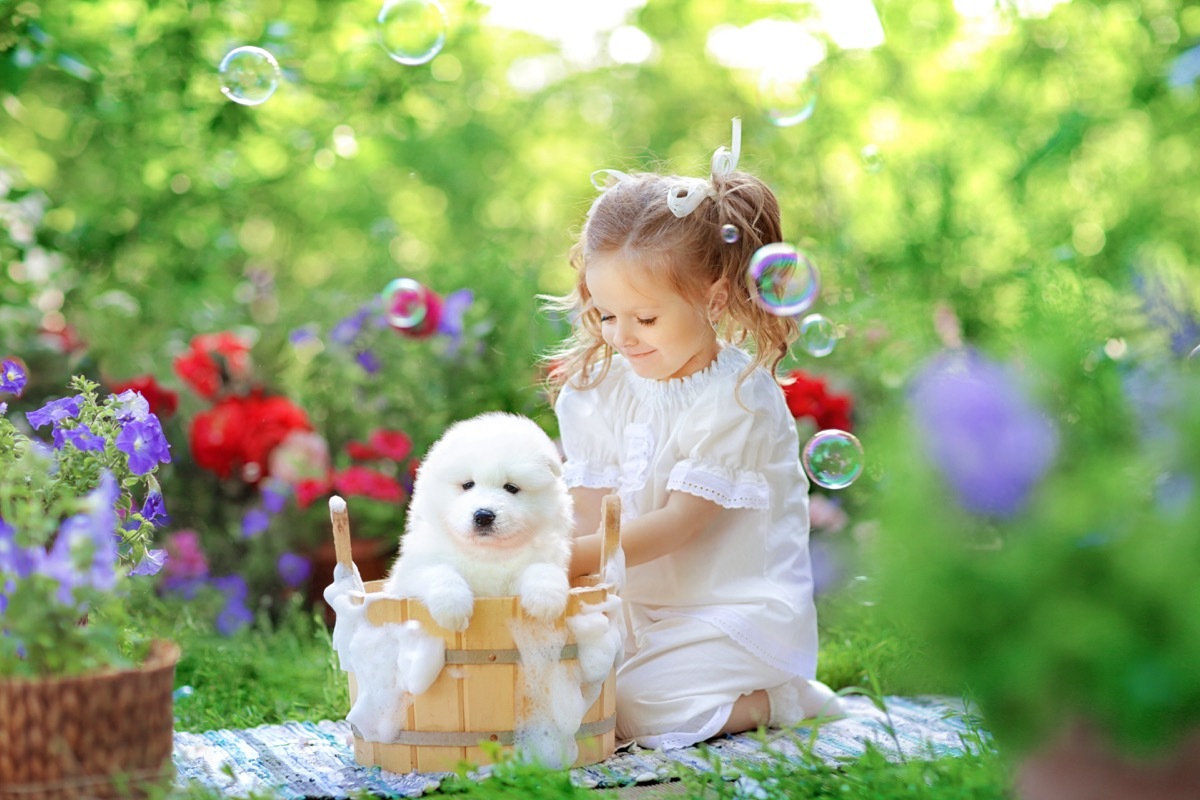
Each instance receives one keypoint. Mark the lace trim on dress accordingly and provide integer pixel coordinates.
(590, 476)
(725, 487)
(706, 727)
(736, 627)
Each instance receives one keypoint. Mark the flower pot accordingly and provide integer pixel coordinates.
(1081, 765)
(102, 735)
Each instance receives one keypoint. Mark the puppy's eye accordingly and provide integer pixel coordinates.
(468, 486)
(511, 489)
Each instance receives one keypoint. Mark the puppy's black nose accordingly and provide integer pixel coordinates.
(484, 517)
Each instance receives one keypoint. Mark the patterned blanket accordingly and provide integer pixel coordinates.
(306, 759)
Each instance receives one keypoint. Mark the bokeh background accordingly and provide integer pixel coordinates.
(1015, 176)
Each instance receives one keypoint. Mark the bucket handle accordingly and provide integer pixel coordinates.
(610, 524)
(341, 532)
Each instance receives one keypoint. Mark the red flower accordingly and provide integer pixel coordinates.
(391, 444)
(368, 483)
(240, 432)
(809, 397)
(362, 452)
(310, 489)
(213, 360)
(163, 402)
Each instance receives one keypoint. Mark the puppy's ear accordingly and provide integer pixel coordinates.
(556, 466)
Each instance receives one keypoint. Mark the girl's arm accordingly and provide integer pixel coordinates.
(648, 537)
(587, 508)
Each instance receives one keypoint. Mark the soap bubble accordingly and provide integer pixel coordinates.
(782, 280)
(412, 31)
(1194, 356)
(833, 458)
(405, 302)
(729, 233)
(818, 336)
(249, 75)
(788, 95)
(872, 159)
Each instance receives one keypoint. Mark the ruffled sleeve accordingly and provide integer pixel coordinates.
(589, 441)
(725, 448)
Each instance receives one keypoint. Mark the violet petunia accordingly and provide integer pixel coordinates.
(275, 495)
(454, 307)
(368, 361)
(12, 377)
(55, 411)
(235, 615)
(81, 436)
(154, 509)
(144, 443)
(254, 522)
(85, 550)
(293, 569)
(348, 329)
(151, 563)
(132, 406)
(986, 438)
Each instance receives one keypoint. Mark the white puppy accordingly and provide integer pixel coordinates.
(490, 516)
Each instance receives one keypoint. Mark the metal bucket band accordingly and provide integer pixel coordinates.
(501, 656)
(504, 738)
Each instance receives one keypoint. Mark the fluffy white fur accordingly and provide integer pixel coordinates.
(490, 516)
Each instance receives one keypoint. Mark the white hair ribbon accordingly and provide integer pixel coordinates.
(611, 177)
(685, 195)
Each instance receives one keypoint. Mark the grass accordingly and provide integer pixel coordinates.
(283, 668)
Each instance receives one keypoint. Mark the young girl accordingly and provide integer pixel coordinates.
(659, 402)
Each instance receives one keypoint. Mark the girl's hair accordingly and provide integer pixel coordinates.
(631, 217)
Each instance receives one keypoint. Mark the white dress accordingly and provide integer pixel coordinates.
(732, 611)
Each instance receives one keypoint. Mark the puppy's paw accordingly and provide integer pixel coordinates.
(451, 607)
(543, 590)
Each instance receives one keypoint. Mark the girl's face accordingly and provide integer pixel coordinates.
(660, 333)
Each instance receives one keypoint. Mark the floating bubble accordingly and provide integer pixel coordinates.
(872, 159)
(788, 95)
(782, 280)
(406, 303)
(833, 458)
(249, 75)
(729, 233)
(818, 336)
(1194, 356)
(412, 31)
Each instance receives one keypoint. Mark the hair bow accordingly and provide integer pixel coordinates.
(685, 195)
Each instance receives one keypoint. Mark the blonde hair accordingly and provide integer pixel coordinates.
(631, 217)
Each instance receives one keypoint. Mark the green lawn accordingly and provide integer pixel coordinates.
(282, 668)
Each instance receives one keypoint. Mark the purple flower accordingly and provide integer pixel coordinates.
(293, 569)
(1167, 304)
(82, 437)
(12, 377)
(301, 335)
(274, 495)
(144, 443)
(254, 522)
(348, 329)
(55, 411)
(982, 433)
(132, 406)
(368, 361)
(3, 409)
(85, 549)
(154, 509)
(21, 561)
(454, 306)
(151, 563)
(235, 615)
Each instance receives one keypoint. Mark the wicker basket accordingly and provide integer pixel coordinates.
(101, 735)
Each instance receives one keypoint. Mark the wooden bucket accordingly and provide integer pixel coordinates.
(479, 694)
